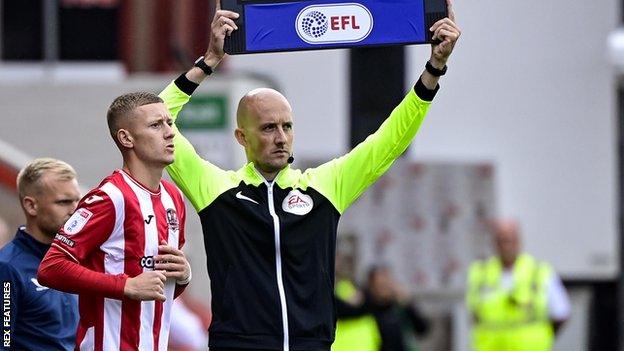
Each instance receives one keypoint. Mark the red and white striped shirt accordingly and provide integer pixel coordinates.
(114, 234)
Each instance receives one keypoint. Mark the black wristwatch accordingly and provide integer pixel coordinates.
(434, 71)
(203, 66)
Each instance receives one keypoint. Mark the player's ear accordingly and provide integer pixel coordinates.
(30, 205)
(239, 134)
(124, 138)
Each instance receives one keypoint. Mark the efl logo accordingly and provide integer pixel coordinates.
(334, 23)
(77, 221)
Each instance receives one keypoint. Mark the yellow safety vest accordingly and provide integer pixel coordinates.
(359, 333)
(513, 320)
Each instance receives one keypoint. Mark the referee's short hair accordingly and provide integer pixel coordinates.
(29, 178)
(123, 107)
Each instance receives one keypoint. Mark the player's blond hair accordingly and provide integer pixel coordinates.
(29, 178)
(123, 106)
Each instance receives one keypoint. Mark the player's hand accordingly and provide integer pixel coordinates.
(173, 262)
(447, 32)
(146, 286)
(222, 25)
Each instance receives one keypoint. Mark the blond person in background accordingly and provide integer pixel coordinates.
(39, 318)
(517, 303)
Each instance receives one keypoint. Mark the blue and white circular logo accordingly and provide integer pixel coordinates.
(334, 23)
(314, 24)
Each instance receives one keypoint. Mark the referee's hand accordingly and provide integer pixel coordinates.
(146, 286)
(223, 24)
(447, 32)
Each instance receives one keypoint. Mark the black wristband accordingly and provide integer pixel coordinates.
(423, 92)
(185, 84)
(434, 71)
(203, 66)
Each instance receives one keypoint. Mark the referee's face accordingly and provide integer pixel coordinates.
(267, 131)
(152, 135)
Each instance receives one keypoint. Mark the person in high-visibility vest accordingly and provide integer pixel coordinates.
(356, 328)
(516, 302)
(396, 313)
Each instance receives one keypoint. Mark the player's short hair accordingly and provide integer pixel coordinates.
(123, 106)
(29, 178)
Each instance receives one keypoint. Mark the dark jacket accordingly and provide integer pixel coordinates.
(36, 317)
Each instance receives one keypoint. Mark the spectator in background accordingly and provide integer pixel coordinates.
(39, 318)
(356, 328)
(395, 313)
(516, 302)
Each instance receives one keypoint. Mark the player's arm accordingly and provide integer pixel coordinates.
(193, 175)
(343, 180)
(59, 272)
(90, 226)
(11, 284)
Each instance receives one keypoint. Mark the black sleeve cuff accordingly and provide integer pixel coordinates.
(423, 93)
(185, 84)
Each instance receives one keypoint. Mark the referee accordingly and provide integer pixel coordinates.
(269, 229)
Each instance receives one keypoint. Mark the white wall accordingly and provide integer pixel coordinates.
(530, 89)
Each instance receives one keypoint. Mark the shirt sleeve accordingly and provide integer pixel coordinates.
(89, 227)
(558, 300)
(11, 283)
(344, 179)
(200, 181)
(60, 272)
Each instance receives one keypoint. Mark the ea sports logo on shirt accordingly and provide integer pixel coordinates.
(334, 23)
(297, 203)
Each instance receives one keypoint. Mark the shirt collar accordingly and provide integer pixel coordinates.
(39, 249)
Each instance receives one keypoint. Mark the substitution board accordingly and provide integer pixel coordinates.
(270, 25)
